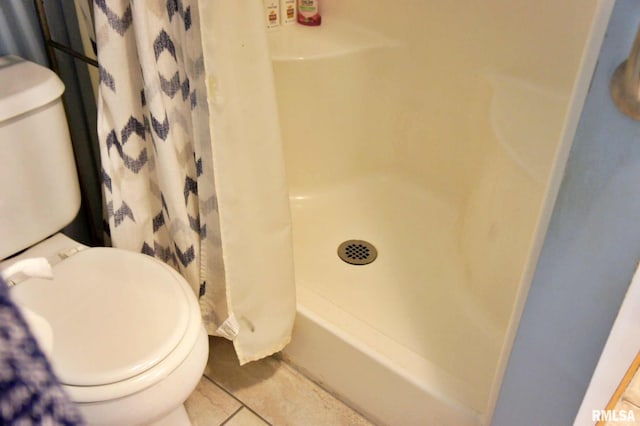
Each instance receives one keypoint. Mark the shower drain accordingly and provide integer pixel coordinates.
(357, 252)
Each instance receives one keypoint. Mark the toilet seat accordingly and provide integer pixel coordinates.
(98, 358)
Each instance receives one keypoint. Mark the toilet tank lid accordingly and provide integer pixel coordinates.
(25, 86)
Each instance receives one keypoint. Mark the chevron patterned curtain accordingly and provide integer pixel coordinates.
(162, 158)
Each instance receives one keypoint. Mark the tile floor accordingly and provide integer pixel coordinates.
(265, 392)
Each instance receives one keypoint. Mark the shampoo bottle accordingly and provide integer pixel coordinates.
(272, 13)
(309, 12)
(288, 12)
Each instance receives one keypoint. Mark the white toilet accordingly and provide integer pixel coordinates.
(122, 330)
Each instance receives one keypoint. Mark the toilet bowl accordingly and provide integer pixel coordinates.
(128, 342)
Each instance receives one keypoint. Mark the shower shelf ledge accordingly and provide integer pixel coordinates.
(332, 38)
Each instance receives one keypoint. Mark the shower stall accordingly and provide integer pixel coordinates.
(434, 134)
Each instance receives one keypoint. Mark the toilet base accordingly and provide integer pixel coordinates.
(177, 417)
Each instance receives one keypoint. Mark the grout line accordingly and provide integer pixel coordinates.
(243, 405)
(221, 386)
(258, 415)
(232, 415)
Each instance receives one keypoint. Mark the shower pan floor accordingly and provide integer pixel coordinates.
(414, 293)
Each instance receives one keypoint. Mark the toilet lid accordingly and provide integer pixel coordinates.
(114, 314)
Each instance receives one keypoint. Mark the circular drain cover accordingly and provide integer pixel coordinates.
(357, 252)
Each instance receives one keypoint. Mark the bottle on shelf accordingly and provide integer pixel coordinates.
(309, 12)
(272, 14)
(288, 12)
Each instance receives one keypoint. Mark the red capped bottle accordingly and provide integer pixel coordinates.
(309, 12)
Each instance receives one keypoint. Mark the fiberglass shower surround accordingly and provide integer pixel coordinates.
(437, 136)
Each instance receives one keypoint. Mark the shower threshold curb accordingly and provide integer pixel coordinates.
(366, 380)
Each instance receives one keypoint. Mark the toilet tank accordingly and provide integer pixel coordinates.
(39, 192)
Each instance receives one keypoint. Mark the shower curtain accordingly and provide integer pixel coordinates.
(193, 172)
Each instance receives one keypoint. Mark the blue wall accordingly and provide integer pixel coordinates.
(589, 255)
(20, 31)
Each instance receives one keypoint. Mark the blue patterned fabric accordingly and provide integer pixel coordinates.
(193, 167)
(155, 142)
(29, 391)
